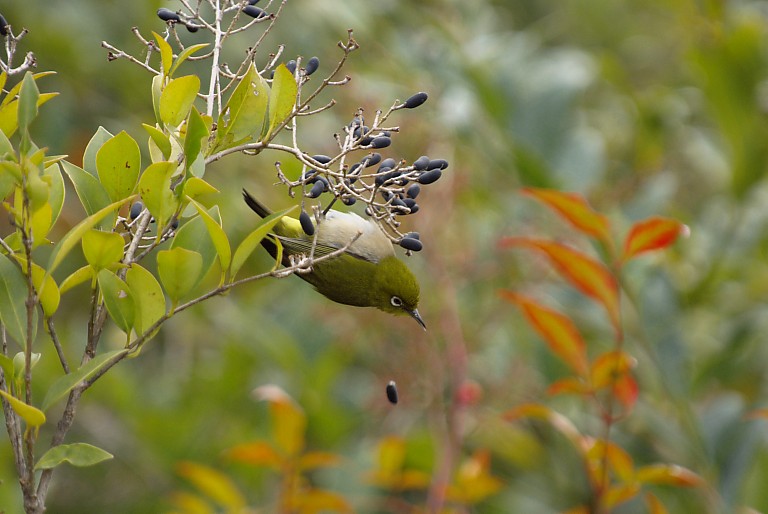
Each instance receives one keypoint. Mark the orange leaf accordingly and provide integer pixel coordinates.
(577, 510)
(757, 414)
(557, 420)
(588, 275)
(558, 331)
(575, 209)
(618, 494)
(257, 453)
(654, 504)
(314, 460)
(609, 367)
(473, 482)
(312, 501)
(213, 483)
(288, 420)
(626, 390)
(568, 385)
(619, 462)
(668, 474)
(652, 234)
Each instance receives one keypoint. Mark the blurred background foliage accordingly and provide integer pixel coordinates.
(655, 107)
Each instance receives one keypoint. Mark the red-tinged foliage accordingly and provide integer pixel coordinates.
(588, 275)
(654, 504)
(559, 332)
(618, 461)
(668, 474)
(569, 385)
(576, 210)
(473, 482)
(213, 484)
(758, 414)
(613, 370)
(256, 453)
(652, 234)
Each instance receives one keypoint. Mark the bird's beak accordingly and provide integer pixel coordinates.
(415, 315)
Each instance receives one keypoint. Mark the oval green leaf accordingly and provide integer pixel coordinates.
(118, 163)
(77, 454)
(100, 137)
(179, 270)
(218, 236)
(33, 416)
(252, 240)
(102, 249)
(177, 98)
(13, 293)
(155, 190)
(282, 98)
(150, 301)
(119, 300)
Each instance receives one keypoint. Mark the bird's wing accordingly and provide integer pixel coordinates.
(304, 246)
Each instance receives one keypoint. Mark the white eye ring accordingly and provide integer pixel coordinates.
(396, 301)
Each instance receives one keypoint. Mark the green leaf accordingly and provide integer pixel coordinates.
(77, 454)
(118, 163)
(6, 363)
(119, 300)
(195, 188)
(183, 56)
(6, 148)
(253, 239)
(100, 137)
(13, 293)
(177, 99)
(282, 98)
(193, 235)
(33, 416)
(102, 249)
(76, 278)
(63, 385)
(75, 234)
(155, 190)
(166, 53)
(218, 236)
(150, 301)
(157, 90)
(246, 107)
(179, 270)
(89, 190)
(56, 191)
(193, 141)
(160, 139)
(28, 98)
(48, 292)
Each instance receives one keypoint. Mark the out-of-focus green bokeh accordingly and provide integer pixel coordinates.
(655, 107)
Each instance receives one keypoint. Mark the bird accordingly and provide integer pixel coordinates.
(366, 274)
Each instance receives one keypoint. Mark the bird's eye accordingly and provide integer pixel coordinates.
(396, 301)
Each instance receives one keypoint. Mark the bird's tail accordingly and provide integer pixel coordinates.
(255, 205)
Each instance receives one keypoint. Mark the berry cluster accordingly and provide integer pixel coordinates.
(389, 190)
(174, 17)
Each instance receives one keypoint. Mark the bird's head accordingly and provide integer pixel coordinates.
(396, 289)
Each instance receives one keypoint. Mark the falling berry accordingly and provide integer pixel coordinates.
(392, 392)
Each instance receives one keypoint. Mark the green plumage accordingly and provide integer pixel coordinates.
(367, 274)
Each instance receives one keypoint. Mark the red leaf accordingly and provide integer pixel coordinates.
(652, 234)
(588, 275)
(575, 209)
(613, 370)
(560, 333)
(568, 385)
(654, 504)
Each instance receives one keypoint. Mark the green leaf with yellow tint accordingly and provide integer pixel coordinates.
(118, 163)
(160, 139)
(100, 137)
(32, 416)
(179, 270)
(76, 454)
(155, 190)
(282, 98)
(64, 384)
(102, 249)
(177, 98)
(253, 240)
(193, 140)
(13, 293)
(148, 295)
(214, 484)
(166, 53)
(119, 300)
(218, 236)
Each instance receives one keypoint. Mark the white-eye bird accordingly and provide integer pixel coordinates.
(367, 274)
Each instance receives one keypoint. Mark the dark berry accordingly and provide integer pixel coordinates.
(312, 65)
(409, 202)
(429, 177)
(392, 392)
(3, 25)
(416, 100)
(372, 160)
(254, 12)
(360, 131)
(385, 133)
(318, 188)
(387, 163)
(348, 200)
(306, 223)
(381, 142)
(367, 140)
(322, 159)
(253, 2)
(175, 223)
(413, 191)
(412, 235)
(291, 65)
(167, 15)
(412, 244)
(136, 209)
(192, 28)
(421, 164)
(437, 163)
(397, 202)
